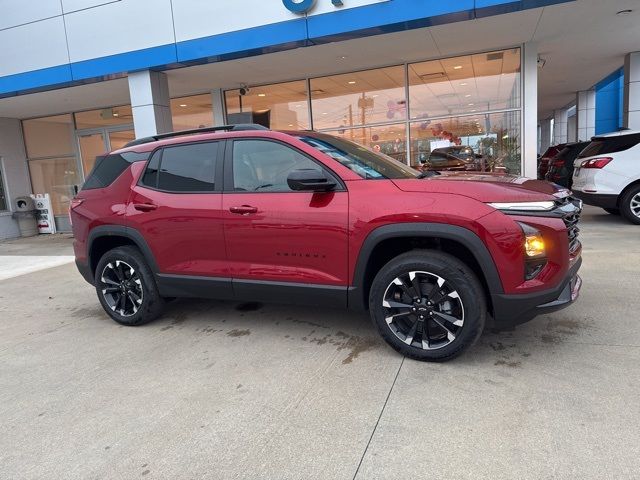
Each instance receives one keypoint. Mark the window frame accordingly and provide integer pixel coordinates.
(228, 168)
(218, 170)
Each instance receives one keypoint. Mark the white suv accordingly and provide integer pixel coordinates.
(607, 174)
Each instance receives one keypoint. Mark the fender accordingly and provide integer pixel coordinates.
(126, 232)
(461, 235)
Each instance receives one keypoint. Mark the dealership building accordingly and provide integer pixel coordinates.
(507, 78)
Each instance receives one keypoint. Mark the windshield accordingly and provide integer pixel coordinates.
(364, 162)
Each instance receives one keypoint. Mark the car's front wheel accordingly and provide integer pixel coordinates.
(428, 305)
(126, 287)
(630, 205)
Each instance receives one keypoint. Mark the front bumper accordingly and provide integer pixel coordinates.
(597, 199)
(512, 310)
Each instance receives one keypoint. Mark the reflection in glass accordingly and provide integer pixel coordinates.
(104, 117)
(49, 136)
(282, 106)
(57, 177)
(191, 112)
(463, 85)
(359, 98)
(493, 138)
(388, 139)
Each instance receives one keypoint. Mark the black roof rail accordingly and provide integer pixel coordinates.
(224, 128)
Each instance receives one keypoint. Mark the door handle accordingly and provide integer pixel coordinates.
(243, 210)
(145, 207)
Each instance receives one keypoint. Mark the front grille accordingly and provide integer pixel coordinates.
(569, 209)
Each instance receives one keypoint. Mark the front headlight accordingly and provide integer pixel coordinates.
(533, 241)
(524, 206)
(534, 246)
(535, 255)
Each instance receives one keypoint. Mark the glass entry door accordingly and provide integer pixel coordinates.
(91, 145)
(95, 142)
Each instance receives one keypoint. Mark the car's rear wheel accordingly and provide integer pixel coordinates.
(630, 205)
(428, 305)
(126, 287)
(612, 211)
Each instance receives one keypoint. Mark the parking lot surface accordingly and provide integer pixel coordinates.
(249, 391)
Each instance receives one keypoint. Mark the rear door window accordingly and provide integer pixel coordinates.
(604, 146)
(183, 168)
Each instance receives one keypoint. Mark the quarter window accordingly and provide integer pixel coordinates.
(263, 166)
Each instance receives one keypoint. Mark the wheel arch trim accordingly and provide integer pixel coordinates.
(105, 231)
(462, 235)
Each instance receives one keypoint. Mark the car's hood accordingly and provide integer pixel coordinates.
(486, 187)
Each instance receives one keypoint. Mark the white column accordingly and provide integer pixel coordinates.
(545, 135)
(217, 102)
(632, 91)
(530, 110)
(586, 114)
(559, 126)
(149, 92)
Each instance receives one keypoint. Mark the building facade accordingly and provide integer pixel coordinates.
(403, 77)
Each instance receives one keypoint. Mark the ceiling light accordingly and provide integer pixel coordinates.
(262, 94)
(324, 113)
(473, 110)
(291, 124)
(624, 12)
(458, 67)
(463, 84)
(471, 104)
(467, 95)
(342, 57)
(183, 104)
(352, 82)
(116, 114)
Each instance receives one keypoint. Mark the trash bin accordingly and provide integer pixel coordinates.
(25, 212)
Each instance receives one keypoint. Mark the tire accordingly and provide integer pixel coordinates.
(458, 305)
(612, 211)
(630, 205)
(125, 267)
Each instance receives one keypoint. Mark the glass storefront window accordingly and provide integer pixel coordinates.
(388, 139)
(359, 98)
(493, 142)
(281, 106)
(3, 198)
(105, 117)
(57, 177)
(49, 136)
(192, 112)
(463, 85)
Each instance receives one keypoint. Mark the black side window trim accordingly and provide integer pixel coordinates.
(217, 174)
(228, 166)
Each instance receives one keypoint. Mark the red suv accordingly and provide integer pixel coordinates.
(245, 213)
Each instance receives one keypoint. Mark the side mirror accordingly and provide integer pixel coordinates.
(310, 180)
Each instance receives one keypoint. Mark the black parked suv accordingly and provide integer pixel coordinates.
(560, 169)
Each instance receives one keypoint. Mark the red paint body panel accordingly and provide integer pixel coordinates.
(296, 237)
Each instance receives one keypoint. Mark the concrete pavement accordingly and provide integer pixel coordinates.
(246, 391)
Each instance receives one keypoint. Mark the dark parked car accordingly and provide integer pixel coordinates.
(545, 158)
(561, 166)
(456, 158)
